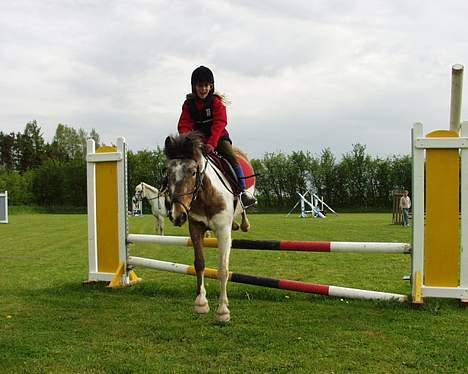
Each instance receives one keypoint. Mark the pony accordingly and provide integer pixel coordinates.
(199, 193)
(157, 201)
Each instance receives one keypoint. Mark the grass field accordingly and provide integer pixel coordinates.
(51, 323)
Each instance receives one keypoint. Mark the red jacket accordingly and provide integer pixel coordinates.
(218, 126)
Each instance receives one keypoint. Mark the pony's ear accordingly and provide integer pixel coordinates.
(168, 142)
(168, 146)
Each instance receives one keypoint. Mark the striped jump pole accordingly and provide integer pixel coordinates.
(280, 245)
(283, 284)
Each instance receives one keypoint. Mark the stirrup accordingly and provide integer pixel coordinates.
(247, 199)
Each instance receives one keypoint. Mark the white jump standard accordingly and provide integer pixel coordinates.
(4, 207)
(440, 265)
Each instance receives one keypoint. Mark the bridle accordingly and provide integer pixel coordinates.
(199, 176)
(139, 194)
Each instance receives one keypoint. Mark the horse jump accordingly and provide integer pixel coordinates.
(110, 257)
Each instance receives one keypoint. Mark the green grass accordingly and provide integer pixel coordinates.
(51, 323)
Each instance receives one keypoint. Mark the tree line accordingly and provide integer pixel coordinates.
(35, 172)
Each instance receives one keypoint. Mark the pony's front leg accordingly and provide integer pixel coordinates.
(224, 245)
(197, 230)
(156, 224)
(161, 224)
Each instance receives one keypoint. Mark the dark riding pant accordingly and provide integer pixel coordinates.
(225, 149)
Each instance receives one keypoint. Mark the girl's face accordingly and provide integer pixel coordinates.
(203, 90)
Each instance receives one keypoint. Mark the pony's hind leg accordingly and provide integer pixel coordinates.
(224, 244)
(235, 226)
(197, 231)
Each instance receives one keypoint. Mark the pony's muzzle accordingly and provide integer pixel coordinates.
(178, 212)
(180, 219)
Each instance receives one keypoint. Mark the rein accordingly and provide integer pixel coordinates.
(220, 177)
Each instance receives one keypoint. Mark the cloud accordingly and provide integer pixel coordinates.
(300, 74)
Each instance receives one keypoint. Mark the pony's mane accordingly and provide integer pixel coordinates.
(184, 146)
(150, 187)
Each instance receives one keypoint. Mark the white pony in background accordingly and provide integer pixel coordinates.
(156, 200)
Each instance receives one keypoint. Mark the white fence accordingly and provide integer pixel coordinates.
(4, 207)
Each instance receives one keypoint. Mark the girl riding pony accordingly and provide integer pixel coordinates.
(204, 111)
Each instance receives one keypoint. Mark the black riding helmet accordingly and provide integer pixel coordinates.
(202, 75)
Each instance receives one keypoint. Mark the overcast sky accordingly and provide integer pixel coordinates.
(300, 75)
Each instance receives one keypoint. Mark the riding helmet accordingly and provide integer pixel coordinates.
(202, 75)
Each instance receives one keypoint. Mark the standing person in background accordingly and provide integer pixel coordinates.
(405, 205)
(204, 111)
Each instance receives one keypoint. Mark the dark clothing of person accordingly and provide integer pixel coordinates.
(207, 116)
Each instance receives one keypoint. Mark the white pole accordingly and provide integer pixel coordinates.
(303, 213)
(418, 189)
(92, 235)
(158, 239)
(356, 293)
(464, 213)
(323, 203)
(157, 264)
(335, 291)
(456, 97)
(369, 247)
(343, 247)
(122, 199)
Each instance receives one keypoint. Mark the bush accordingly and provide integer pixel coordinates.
(19, 186)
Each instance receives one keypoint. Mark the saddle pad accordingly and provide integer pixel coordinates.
(225, 167)
(248, 171)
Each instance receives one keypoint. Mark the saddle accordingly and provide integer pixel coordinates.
(225, 167)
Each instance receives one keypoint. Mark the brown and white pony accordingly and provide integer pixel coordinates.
(200, 194)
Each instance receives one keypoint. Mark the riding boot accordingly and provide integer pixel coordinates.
(246, 197)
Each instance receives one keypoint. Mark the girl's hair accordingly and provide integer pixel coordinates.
(222, 96)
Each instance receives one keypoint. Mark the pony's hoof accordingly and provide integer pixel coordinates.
(235, 226)
(201, 305)
(202, 309)
(223, 318)
(245, 228)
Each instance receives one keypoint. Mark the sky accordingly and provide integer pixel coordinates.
(299, 74)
